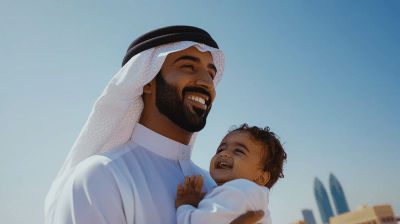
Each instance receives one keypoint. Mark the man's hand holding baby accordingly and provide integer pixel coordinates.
(190, 192)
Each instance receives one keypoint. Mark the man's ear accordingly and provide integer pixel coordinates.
(263, 178)
(148, 87)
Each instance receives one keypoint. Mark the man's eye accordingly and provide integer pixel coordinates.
(212, 76)
(219, 150)
(188, 66)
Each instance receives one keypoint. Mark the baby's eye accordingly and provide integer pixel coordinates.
(238, 150)
(219, 150)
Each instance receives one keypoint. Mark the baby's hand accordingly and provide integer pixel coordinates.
(190, 193)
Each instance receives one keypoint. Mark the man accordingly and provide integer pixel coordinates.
(136, 145)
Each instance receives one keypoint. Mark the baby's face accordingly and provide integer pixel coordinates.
(237, 157)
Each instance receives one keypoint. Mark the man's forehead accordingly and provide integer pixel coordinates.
(191, 51)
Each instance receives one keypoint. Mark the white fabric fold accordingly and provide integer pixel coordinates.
(118, 109)
(225, 203)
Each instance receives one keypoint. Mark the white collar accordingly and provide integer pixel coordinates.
(160, 144)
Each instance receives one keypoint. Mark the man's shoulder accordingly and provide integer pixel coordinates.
(101, 164)
(94, 167)
(119, 151)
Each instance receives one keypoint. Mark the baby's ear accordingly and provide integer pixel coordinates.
(263, 178)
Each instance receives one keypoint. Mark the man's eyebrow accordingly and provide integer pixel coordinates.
(187, 57)
(195, 59)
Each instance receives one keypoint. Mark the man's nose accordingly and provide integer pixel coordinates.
(205, 80)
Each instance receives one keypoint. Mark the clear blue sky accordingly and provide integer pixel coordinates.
(323, 75)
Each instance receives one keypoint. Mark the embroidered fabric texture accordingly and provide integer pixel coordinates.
(118, 109)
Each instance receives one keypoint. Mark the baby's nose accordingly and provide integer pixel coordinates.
(224, 153)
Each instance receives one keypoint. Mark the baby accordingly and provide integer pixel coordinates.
(248, 162)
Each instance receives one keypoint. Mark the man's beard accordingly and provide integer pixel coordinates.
(170, 104)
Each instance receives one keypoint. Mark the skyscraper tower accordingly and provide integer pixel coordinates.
(308, 216)
(322, 199)
(338, 195)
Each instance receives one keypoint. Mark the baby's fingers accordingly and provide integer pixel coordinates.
(199, 184)
(186, 184)
(180, 189)
(197, 179)
(192, 182)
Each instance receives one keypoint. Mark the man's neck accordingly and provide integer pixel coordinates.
(165, 127)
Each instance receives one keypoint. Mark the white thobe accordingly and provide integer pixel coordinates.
(225, 203)
(135, 183)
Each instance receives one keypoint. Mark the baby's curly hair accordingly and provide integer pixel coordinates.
(274, 156)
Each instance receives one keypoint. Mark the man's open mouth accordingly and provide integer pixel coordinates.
(199, 102)
(198, 99)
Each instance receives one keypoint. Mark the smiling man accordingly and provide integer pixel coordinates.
(137, 143)
(183, 92)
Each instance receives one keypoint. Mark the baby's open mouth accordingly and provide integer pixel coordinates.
(223, 165)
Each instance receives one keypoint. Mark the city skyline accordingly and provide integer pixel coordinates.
(324, 205)
(308, 216)
(338, 195)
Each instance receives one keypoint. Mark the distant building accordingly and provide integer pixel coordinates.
(308, 216)
(339, 200)
(379, 214)
(299, 222)
(322, 199)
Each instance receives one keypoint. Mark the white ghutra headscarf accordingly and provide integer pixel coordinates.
(118, 109)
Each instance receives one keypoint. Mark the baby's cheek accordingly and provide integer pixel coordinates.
(239, 162)
(212, 161)
(245, 168)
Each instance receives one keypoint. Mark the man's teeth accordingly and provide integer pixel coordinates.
(198, 99)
